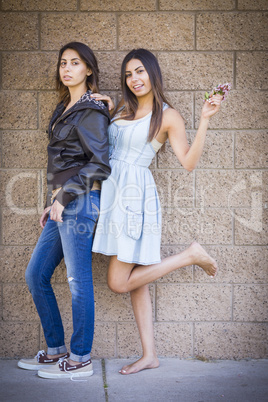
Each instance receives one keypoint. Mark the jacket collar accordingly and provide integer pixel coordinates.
(85, 102)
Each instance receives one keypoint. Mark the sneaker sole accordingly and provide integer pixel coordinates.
(33, 367)
(45, 374)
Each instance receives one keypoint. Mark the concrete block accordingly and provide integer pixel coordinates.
(237, 264)
(19, 189)
(19, 228)
(79, 26)
(231, 340)
(183, 103)
(231, 31)
(19, 339)
(227, 188)
(175, 188)
(250, 303)
(12, 25)
(100, 265)
(29, 71)
(117, 5)
(161, 31)
(25, 149)
(45, 5)
(182, 71)
(234, 112)
(217, 153)
(252, 5)
(208, 226)
(14, 261)
(166, 158)
(181, 275)
(19, 110)
(173, 339)
(128, 340)
(1, 147)
(47, 104)
(110, 69)
(18, 304)
(251, 70)
(112, 307)
(60, 274)
(251, 225)
(185, 5)
(104, 342)
(193, 302)
(251, 149)
(218, 150)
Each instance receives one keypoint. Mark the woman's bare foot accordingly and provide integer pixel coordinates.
(203, 259)
(141, 364)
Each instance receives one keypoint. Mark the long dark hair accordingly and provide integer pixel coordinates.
(131, 103)
(87, 55)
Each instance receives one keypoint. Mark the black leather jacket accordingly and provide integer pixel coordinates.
(78, 151)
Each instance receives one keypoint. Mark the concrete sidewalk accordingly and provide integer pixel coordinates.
(175, 380)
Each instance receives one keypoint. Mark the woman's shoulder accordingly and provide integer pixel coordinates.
(171, 117)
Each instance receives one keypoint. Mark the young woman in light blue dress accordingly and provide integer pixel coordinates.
(129, 227)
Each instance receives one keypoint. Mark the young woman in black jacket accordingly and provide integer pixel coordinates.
(78, 160)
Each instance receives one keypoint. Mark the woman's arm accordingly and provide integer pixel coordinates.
(174, 126)
(44, 217)
(106, 98)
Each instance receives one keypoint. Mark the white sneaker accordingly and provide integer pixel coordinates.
(39, 361)
(64, 370)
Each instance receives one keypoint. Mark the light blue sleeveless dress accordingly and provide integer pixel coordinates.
(129, 224)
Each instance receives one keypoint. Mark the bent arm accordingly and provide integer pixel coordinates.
(190, 156)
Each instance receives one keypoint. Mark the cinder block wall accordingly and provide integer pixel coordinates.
(222, 204)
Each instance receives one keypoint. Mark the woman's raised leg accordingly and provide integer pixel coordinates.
(124, 277)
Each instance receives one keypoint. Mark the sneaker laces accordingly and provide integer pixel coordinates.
(39, 354)
(63, 361)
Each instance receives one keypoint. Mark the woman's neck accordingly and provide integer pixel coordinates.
(75, 95)
(145, 103)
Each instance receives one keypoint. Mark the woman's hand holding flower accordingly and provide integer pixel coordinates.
(211, 106)
(213, 99)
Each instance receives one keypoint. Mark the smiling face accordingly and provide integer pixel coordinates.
(73, 70)
(137, 78)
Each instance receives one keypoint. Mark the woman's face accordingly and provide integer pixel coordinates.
(137, 78)
(73, 70)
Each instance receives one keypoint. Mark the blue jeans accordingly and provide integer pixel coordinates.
(72, 240)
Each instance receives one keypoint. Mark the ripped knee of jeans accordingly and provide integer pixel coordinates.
(70, 279)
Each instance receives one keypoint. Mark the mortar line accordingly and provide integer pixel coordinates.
(234, 70)
(232, 303)
(116, 339)
(116, 31)
(105, 386)
(195, 36)
(1, 72)
(193, 338)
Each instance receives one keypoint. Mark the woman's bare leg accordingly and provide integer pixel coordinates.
(124, 277)
(142, 307)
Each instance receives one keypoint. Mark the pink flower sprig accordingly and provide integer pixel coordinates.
(221, 89)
